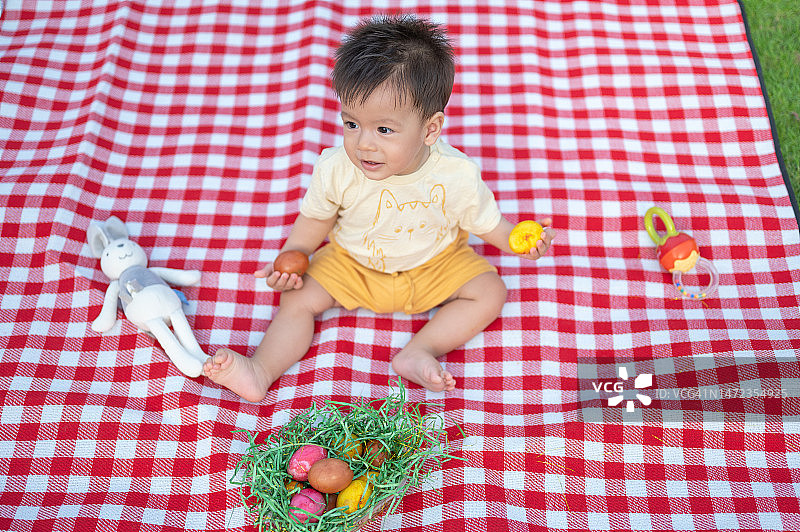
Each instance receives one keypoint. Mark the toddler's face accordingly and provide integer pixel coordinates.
(384, 139)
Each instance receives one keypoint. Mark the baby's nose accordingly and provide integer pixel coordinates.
(365, 142)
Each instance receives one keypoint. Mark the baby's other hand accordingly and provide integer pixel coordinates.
(279, 281)
(543, 244)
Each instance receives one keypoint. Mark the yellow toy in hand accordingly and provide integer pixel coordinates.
(524, 236)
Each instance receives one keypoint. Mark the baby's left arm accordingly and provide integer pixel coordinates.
(498, 237)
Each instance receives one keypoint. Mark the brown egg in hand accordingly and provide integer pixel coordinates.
(330, 475)
(291, 261)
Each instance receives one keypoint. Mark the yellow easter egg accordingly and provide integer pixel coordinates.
(354, 496)
(348, 445)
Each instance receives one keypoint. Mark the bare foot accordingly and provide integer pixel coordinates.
(422, 368)
(239, 374)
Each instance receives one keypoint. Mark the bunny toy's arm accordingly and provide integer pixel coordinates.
(108, 314)
(177, 277)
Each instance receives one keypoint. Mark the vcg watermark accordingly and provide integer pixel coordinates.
(661, 390)
(645, 380)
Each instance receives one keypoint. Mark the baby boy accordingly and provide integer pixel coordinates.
(396, 203)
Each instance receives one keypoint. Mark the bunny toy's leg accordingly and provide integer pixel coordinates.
(185, 362)
(185, 335)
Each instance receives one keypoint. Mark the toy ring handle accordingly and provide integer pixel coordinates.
(651, 229)
(700, 293)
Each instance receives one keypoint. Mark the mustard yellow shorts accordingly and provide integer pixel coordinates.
(420, 289)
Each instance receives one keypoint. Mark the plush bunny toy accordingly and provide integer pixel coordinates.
(146, 299)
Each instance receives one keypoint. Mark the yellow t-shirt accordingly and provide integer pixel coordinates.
(403, 221)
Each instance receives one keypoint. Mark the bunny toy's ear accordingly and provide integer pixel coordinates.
(97, 238)
(115, 228)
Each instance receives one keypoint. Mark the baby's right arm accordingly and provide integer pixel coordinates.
(306, 236)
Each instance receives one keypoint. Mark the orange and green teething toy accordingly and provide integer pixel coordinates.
(524, 236)
(676, 251)
(678, 254)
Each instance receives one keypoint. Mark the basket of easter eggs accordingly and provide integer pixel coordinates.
(335, 467)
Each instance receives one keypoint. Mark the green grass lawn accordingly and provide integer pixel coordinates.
(775, 30)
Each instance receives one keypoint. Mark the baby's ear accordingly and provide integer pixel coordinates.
(433, 128)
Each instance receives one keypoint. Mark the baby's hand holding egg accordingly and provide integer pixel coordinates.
(291, 261)
(524, 236)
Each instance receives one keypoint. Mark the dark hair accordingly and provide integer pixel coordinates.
(413, 55)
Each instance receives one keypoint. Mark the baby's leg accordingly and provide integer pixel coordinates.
(466, 313)
(286, 340)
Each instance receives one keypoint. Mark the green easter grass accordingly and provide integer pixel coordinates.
(414, 443)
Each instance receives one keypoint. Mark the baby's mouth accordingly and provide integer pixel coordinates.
(370, 165)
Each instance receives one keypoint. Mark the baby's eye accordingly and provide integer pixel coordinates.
(350, 125)
(383, 130)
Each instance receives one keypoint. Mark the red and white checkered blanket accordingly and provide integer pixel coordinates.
(198, 123)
